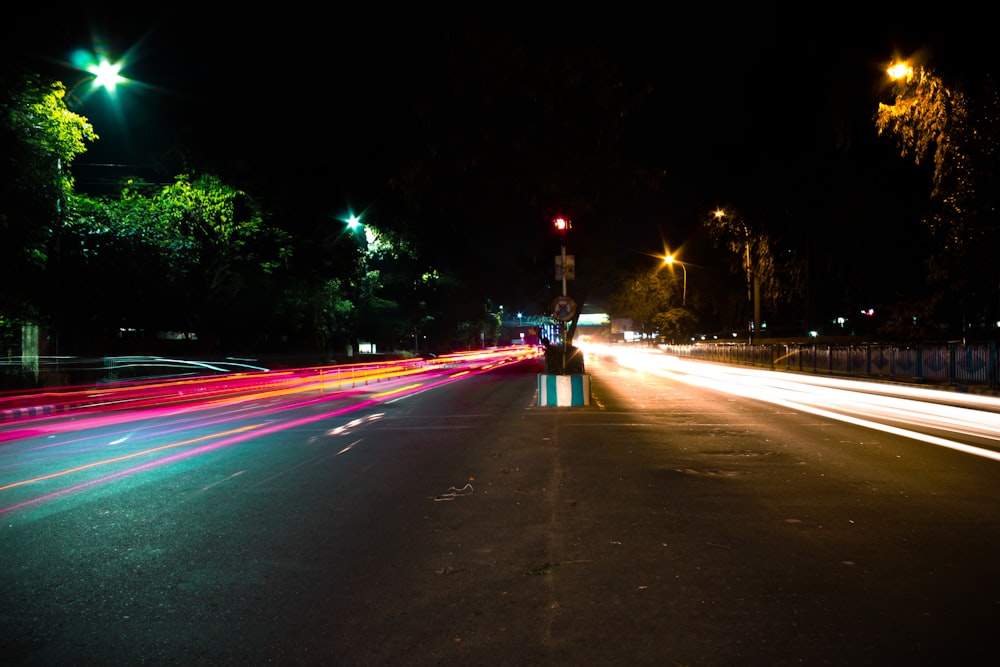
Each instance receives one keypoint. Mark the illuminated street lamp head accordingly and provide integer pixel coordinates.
(669, 259)
(900, 71)
(101, 74)
(106, 75)
(354, 222)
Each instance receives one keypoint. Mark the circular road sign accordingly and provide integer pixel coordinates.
(563, 308)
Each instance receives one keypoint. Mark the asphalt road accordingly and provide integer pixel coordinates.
(664, 524)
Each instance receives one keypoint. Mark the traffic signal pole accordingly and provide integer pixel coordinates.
(563, 382)
(562, 226)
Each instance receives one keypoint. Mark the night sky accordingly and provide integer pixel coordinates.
(760, 109)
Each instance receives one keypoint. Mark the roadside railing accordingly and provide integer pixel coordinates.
(964, 365)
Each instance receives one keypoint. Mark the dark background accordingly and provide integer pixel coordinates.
(318, 111)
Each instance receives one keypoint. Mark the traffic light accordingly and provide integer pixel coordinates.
(562, 225)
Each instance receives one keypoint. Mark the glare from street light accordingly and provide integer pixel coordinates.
(103, 72)
(106, 75)
(900, 70)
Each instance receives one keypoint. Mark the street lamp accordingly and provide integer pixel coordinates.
(100, 73)
(900, 70)
(753, 280)
(106, 75)
(670, 260)
(355, 224)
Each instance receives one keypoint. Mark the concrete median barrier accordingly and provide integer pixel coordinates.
(563, 390)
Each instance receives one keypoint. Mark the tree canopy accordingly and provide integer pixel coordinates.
(39, 139)
(653, 301)
(198, 256)
(954, 130)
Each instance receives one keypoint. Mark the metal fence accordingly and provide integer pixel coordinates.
(970, 365)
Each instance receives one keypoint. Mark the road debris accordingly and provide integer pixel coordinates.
(541, 569)
(453, 493)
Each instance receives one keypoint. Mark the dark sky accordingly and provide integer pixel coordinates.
(721, 78)
(733, 94)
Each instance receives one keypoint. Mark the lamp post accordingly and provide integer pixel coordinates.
(102, 75)
(753, 281)
(359, 231)
(670, 260)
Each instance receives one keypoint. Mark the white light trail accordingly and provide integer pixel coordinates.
(880, 406)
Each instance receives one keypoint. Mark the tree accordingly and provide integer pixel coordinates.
(199, 259)
(39, 139)
(753, 248)
(220, 251)
(105, 240)
(389, 286)
(648, 298)
(676, 324)
(957, 136)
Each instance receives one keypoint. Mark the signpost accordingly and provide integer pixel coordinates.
(563, 383)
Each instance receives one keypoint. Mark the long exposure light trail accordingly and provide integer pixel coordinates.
(133, 395)
(154, 413)
(235, 437)
(911, 412)
(123, 457)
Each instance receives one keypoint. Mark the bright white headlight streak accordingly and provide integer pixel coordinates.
(727, 380)
(348, 447)
(931, 439)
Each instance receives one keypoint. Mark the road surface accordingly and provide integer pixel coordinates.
(665, 524)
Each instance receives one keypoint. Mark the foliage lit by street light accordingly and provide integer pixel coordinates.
(932, 122)
(951, 127)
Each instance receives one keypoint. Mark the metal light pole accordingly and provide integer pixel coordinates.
(670, 260)
(102, 76)
(753, 281)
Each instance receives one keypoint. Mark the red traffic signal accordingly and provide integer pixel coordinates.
(561, 224)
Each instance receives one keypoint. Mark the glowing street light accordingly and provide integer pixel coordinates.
(370, 236)
(900, 70)
(106, 75)
(670, 260)
(101, 74)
